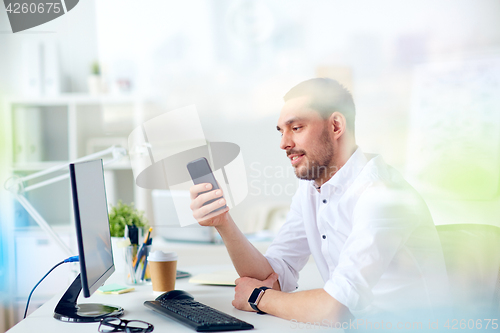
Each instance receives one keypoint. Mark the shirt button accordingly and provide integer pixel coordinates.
(324, 201)
(324, 236)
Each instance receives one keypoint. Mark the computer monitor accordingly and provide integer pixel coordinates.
(94, 245)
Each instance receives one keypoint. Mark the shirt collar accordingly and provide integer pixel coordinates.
(349, 171)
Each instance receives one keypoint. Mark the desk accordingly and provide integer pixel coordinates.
(217, 297)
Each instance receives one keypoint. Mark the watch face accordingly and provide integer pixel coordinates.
(254, 299)
(255, 294)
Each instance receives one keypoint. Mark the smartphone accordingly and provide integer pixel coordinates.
(201, 172)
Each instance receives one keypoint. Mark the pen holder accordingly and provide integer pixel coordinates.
(137, 268)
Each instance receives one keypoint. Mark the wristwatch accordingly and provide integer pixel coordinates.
(255, 298)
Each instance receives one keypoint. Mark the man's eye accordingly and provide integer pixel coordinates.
(296, 128)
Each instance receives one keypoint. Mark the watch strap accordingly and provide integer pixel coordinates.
(254, 305)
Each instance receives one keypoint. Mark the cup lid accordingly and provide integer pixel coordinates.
(162, 256)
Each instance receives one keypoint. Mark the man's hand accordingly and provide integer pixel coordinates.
(202, 213)
(244, 288)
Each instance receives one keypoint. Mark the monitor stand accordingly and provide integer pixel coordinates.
(67, 309)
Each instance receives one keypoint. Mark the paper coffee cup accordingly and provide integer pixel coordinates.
(163, 268)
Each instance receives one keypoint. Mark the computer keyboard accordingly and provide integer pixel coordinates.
(181, 306)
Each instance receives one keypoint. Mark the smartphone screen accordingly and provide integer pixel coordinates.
(201, 172)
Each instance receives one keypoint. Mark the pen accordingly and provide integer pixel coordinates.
(142, 249)
(146, 240)
(150, 240)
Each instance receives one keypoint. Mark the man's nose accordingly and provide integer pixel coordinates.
(286, 142)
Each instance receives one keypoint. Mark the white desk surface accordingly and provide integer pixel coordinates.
(219, 297)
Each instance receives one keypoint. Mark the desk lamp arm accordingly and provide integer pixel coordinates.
(15, 185)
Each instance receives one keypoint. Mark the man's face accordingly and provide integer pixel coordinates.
(306, 139)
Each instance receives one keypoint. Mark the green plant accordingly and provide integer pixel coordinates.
(95, 68)
(123, 214)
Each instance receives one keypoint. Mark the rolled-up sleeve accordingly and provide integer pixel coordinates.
(382, 223)
(289, 251)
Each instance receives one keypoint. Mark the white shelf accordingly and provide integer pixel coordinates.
(69, 127)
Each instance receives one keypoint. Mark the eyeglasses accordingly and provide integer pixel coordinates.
(115, 324)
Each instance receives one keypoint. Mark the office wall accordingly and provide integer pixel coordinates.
(5, 216)
(75, 37)
(236, 59)
(6, 321)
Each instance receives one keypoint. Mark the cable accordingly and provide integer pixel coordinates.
(70, 259)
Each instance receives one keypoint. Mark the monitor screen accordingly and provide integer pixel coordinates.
(92, 224)
(94, 245)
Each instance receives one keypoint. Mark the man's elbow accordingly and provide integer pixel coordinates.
(334, 311)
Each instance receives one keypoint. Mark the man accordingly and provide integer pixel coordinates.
(369, 232)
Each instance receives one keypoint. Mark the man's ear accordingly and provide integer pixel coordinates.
(338, 124)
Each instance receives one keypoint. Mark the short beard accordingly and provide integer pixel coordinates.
(318, 168)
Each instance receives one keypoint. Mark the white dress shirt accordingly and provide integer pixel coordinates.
(371, 236)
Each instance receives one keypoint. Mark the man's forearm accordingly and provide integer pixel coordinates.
(304, 306)
(247, 260)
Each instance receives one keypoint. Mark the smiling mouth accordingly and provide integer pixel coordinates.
(296, 159)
